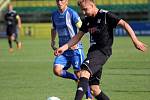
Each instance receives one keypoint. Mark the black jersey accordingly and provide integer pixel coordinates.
(11, 18)
(101, 28)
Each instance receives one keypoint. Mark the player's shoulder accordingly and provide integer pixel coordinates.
(103, 11)
(54, 12)
(13, 11)
(71, 11)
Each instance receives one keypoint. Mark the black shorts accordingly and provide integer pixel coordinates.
(11, 30)
(93, 63)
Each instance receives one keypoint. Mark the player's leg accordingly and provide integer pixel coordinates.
(89, 95)
(15, 35)
(67, 74)
(98, 93)
(10, 44)
(61, 65)
(19, 44)
(9, 36)
(94, 82)
(91, 65)
(82, 85)
(77, 60)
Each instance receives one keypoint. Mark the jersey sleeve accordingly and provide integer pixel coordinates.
(76, 19)
(84, 26)
(112, 19)
(17, 16)
(53, 24)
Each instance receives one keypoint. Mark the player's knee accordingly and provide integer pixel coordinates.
(12, 38)
(85, 73)
(57, 70)
(95, 90)
(78, 73)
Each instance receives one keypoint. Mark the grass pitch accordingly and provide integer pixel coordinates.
(26, 74)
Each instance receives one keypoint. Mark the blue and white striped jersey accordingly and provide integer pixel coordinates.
(65, 25)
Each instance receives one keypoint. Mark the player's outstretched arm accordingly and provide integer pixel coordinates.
(68, 45)
(138, 44)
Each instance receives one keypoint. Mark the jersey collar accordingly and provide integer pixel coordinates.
(62, 13)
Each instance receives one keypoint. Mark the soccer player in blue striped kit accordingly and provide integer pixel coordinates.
(65, 22)
(100, 24)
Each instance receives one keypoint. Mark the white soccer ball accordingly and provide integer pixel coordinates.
(53, 98)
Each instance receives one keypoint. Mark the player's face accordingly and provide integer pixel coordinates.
(10, 7)
(62, 4)
(87, 9)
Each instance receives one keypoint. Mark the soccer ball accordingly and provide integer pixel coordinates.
(53, 98)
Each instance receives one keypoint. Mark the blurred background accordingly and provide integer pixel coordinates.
(36, 14)
(27, 73)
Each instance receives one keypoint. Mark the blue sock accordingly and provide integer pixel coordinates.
(68, 75)
(88, 93)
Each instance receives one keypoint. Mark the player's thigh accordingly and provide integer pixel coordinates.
(95, 78)
(94, 61)
(68, 65)
(12, 32)
(60, 61)
(77, 59)
(9, 31)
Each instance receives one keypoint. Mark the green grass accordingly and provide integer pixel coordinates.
(27, 74)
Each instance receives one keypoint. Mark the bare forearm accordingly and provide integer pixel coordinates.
(53, 35)
(129, 30)
(19, 22)
(75, 39)
(138, 44)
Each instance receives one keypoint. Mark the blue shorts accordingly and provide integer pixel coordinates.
(70, 57)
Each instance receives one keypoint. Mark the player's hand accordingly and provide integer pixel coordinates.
(140, 46)
(73, 47)
(61, 50)
(58, 51)
(53, 45)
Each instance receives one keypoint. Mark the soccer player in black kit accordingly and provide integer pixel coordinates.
(13, 22)
(100, 24)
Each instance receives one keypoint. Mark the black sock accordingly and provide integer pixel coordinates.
(102, 96)
(82, 88)
(10, 43)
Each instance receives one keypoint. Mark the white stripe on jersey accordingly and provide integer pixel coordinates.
(69, 24)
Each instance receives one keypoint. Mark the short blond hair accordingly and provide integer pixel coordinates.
(84, 1)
